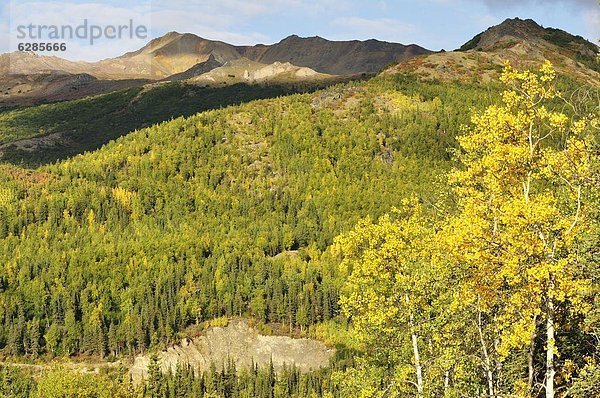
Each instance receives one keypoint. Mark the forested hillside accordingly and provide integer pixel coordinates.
(120, 249)
(47, 133)
(235, 212)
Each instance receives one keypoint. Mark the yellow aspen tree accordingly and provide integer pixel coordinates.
(522, 208)
(386, 292)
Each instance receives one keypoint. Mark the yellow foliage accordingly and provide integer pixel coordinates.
(7, 197)
(123, 197)
(521, 194)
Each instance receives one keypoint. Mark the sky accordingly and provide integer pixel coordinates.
(433, 24)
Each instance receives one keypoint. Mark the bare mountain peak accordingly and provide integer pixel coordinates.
(522, 28)
(172, 34)
(513, 31)
(517, 22)
(505, 33)
(198, 69)
(522, 42)
(294, 39)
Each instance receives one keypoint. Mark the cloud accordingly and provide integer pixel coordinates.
(485, 21)
(239, 11)
(4, 42)
(503, 5)
(214, 27)
(592, 24)
(74, 15)
(235, 21)
(575, 5)
(227, 20)
(4, 32)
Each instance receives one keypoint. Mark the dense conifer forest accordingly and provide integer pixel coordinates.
(117, 250)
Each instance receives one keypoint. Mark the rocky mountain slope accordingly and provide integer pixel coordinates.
(197, 70)
(32, 89)
(21, 63)
(333, 57)
(522, 42)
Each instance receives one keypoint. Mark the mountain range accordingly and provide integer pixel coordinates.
(176, 53)
(28, 78)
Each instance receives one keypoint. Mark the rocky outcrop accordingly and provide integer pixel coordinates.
(243, 345)
(244, 70)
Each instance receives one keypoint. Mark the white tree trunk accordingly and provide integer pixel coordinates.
(550, 350)
(418, 368)
(446, 382)
(486, 357)
(417, 357)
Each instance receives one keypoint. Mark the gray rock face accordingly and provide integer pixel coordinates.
(243, 345)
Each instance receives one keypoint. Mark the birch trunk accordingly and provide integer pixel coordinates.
(486, 357)
(550, 350)
(417, 358)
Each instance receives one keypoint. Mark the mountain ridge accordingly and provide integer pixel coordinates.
(177, 52)
(525, 29)
(344, 57)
